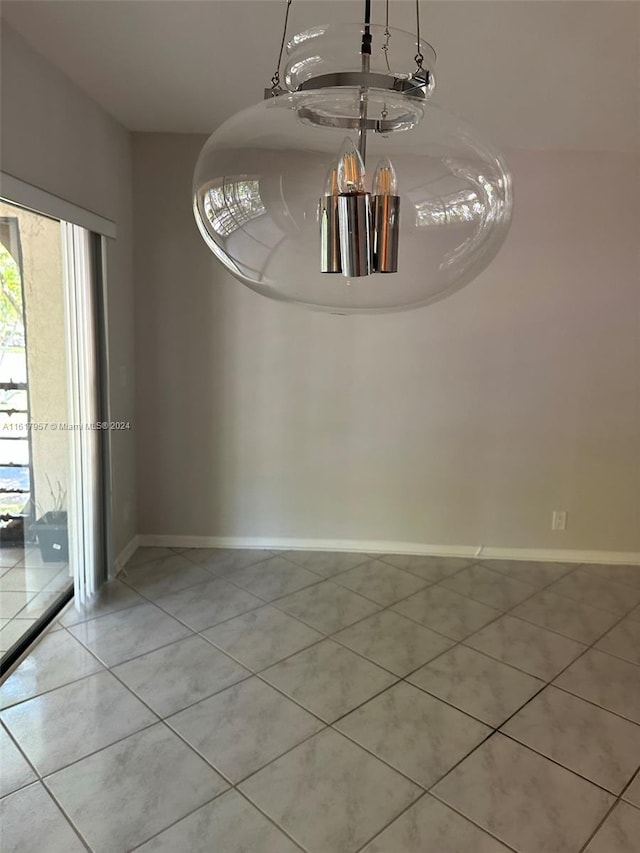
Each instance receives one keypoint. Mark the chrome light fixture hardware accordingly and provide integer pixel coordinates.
(292, 216)
(329, 227)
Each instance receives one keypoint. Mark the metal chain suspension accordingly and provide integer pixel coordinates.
(275, 80)
(419, 57)
(387, 36)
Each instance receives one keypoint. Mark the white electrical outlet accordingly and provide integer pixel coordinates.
(559, 520)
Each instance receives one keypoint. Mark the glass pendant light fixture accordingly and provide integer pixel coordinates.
(347, 189)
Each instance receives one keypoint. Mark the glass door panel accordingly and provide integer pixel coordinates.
(34, 403)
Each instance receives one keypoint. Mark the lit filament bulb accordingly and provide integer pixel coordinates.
(386, 218)
(385, 181)
(350, 172)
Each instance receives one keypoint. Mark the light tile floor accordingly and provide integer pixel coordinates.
(235, 701)
(27, 588)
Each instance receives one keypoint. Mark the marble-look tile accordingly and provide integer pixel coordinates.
(393, 641)
(40, 602)
(584, 738)
(113, 596)
(56, 660)
(125, 634)
(229, 824)
(432, 569)
(273, 578)
(12, 630)
(328, 679)
(429, 825)
(30, 822)
(23, 579)
(481, 686)
(60, 582)
(262, 637)
(327, 607)
(418, 735)
(325, 563)
(244, 727)
(579, 622)
(124, 794)
(534, 573)
(223, 561)
(612, 683)
(619, 833)
(72, 721)
(179, 674)
(207, 604)
(146, 554)
(632, 794)
(446, 612)
(164, 576)
(11, 603)
(330, 795)
(380, 582)
(33, 559)
(623, 641)
(591, 589)
(16, 771)
(629, 575)
(10, 556)
(523, 798)
(526, 646)
(489, 587)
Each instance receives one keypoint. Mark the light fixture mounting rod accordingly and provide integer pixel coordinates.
(366, 67)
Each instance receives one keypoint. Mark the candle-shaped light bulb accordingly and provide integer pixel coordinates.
(386, 218)
(385, 181)
(350, 169)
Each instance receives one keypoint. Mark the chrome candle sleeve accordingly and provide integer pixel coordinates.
(329, 227)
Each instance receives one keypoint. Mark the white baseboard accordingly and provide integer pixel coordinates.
(381, 547)
(125, 555)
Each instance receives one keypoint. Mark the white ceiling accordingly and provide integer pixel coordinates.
(531, 74)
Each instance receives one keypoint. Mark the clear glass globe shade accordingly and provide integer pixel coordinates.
(260, 176)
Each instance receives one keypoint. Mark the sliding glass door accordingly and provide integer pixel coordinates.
(53, 460)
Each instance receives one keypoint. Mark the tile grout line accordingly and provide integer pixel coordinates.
(67, 817)
(608, 814)
(330, 725)
(39, 780)
(251, 672)
(425, 794)
(547, 684)
(325, 637)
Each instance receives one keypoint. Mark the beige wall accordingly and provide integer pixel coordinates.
(464, 423)
(56, 138)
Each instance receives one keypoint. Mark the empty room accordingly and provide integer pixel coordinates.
(320, 426)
